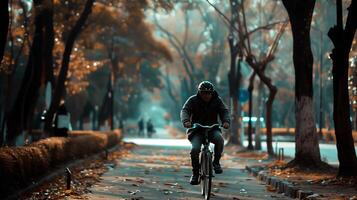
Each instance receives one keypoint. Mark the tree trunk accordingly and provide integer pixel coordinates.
(259, 70)
(342, 40)
(2, 120)
(234, 136)
(48, 45)
(20, 115)
(307, 150)
(258, 145)
(250, 90)
(234, 90)
(60, 86)
(356, 120)
(269, 105)
(173, 95)
(45, 60)
(4, 14)
(8, 86)
(234, 75)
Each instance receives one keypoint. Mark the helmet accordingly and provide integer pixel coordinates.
(205, 86)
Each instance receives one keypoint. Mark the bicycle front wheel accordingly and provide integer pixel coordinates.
(203, 173)
(208, 177)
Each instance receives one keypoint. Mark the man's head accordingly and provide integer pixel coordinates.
(205, 90)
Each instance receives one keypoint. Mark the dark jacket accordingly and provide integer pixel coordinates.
(206, 113)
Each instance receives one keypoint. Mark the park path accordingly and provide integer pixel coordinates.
(162, 172)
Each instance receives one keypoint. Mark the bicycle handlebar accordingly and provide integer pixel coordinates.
(197, 125)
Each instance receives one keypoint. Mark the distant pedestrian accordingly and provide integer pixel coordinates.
(150, 128)
(121, 124)
(61, 121)
(141, 127)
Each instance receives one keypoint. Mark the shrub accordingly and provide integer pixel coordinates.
(20, 166)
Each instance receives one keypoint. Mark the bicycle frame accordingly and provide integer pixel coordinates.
(206, 167)
(206, 172)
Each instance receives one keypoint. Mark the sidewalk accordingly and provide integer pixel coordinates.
(162, 172)
(300, 184)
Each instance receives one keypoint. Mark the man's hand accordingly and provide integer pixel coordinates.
(187, 124)
(225, 125)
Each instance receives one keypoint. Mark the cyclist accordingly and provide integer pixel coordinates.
(204, 108)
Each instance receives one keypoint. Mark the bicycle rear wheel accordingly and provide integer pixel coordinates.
(203, 173)
(208, 177)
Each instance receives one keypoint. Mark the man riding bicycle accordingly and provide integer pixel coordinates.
(203, 108)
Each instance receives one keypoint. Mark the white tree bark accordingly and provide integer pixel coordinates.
(235, 133)
(307, 145)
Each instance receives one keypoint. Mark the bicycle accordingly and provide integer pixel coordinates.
(206, 172)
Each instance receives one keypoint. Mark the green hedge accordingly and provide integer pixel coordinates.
(20, 166)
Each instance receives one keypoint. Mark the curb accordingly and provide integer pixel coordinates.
(281, 186)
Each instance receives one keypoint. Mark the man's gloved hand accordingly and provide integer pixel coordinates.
(187, 124)
(225, 125)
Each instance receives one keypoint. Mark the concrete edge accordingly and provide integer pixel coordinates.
(281, 186)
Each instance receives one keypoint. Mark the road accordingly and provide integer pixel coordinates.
(328, 151)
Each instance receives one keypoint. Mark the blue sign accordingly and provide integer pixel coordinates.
(243, 95)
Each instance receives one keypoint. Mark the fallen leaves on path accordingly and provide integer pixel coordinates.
(323, 182)
(83, 176)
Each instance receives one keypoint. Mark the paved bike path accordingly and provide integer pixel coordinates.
(162, 172)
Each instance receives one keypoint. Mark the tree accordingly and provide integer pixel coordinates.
(17, 49)
(259, 59)
(119, 35)
(60, 85)
(234, 75)
(244, 47)
(214, 56)
(37, 71)
(4, 10)
(259, 69)
(200, 52)
(187, 61)
(342, 40)
(3, 36)
(307, 152)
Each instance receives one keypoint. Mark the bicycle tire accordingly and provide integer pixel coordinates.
(203, 175)
(208, 179)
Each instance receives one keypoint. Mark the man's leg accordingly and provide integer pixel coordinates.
(218, 141)
(196, 143)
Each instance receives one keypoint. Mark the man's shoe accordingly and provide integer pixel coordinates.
(194, 180)
(217, 168)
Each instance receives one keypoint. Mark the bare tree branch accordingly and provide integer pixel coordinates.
(179, 48)
(245, 27)
(274, 46)
(169, 87)
(266, 27)
(228, 22)
(186, 28)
